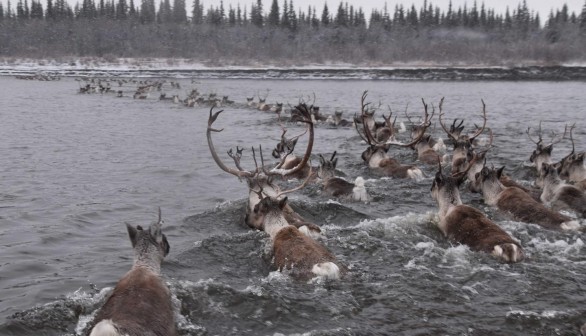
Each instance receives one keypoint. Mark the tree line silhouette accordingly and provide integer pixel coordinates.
(286, 35)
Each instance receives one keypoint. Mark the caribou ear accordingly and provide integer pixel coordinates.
(499, 172)
(438, 177)
(282, 203)
(132, 233)
(548, 148)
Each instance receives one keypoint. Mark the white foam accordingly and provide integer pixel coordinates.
(560, 246)
(546, 314)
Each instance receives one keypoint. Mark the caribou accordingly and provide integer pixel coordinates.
(559, 194)
(542, 153)
(337, 120)
(140, 304)
(466, 225)
(337, 186)
(461, 142)
(260, 180)
(284, 151)
(376, 154)
(418, 129)
(572, 166)
(519, 204)
(293, 250)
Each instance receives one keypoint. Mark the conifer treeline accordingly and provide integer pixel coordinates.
(282, 32)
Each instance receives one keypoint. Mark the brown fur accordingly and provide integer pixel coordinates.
(392, 167)
(297, 252)
(524, 208)
(574, 199)
(296, 220)
(429, 157)
(508, 182)
(469, 226)
(139, 301)
(336, 187)
(458, 164)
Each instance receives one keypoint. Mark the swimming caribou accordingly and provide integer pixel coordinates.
(140, 304)
(293, 250)
(460, 142)
(559, 194)
(518, 203)
(337, 186)
(376, 154)
(260, 180)
(469, 226)
(542, 153)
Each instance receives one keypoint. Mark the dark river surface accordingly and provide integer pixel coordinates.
(75, 167)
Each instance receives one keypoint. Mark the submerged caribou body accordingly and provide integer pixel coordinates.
(140, 304)
(469, 226)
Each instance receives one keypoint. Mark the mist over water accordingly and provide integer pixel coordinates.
(74, 168)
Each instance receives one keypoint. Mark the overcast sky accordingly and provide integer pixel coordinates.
(541, 6)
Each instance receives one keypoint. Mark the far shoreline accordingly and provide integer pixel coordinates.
(27, 68)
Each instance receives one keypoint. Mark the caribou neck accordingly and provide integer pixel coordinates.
(147, 262)
(540, 160)
(491, 191)
(446, 201)
(274, 221)
(376, 158)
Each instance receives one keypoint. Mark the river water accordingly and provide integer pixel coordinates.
(75, 167)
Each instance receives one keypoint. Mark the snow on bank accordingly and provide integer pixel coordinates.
(189, 68)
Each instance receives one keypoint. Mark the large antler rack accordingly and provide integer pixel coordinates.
(459, 127)
(480, 130)
(277, 170)
(237, 172)
(553, 139)
(370, 139)
(538, 142)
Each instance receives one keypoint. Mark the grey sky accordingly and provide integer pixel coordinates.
(541, 6)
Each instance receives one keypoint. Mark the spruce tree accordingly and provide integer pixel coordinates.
(273, 19)
(325, 15)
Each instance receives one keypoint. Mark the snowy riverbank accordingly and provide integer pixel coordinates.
(184, 68)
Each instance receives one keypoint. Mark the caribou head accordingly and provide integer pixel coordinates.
(260, 179)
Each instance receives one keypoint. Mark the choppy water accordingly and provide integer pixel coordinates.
(75, 167)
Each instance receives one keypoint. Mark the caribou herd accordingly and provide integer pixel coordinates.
(559, 186)
(296, 244)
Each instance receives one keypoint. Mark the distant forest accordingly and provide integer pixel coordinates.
(279, 33)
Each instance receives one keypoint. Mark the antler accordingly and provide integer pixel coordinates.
(356, 122)
(441, 113)
(406, 115)
(211, 119)
(284, 172)
(571, 138)
(554, 141)
(457, 128)
(236, 157)
(538, 133)
(483, 124)
(301, 186)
